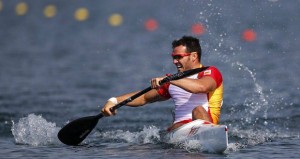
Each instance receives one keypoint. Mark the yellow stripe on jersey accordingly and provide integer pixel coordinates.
(215, 99)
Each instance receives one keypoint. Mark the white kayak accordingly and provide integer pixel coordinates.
(211, 137)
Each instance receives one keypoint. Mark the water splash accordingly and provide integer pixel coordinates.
(35, 130)
(258, 88)
(147, 135)
(251, 137)
(153, 135)
(262, 102)
(194, 146)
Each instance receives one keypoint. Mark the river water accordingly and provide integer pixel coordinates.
(54, 70)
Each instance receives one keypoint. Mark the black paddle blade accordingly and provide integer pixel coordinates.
(76, 131)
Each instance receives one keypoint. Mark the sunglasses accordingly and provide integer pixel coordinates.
(179, 56)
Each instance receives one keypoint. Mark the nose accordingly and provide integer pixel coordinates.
(175, 61)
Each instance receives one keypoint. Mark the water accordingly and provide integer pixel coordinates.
(56, 70)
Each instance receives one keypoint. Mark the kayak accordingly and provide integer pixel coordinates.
(211, 137)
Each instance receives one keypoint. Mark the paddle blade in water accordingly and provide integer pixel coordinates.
(76, 131)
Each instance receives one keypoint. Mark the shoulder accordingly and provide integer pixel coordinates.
(213, 72)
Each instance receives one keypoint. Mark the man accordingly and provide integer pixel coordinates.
(199, 96)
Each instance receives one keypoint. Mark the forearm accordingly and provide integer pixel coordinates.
(149, 97)
(135, 103)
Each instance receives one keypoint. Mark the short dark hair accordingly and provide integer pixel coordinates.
(191, 43)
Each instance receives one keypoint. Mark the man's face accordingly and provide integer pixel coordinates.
(181, 59)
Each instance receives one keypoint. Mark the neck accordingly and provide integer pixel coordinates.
(199, 65)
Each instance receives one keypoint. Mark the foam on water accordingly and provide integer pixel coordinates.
(147, 135)
(153, 135)
(194, 146)
(35, 130)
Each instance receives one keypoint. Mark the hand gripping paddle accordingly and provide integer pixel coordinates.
(76, 131)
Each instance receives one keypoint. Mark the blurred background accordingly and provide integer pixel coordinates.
(63, 59)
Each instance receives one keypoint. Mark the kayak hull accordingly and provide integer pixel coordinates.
(213, 138)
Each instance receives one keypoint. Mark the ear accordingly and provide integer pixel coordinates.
(194, 56)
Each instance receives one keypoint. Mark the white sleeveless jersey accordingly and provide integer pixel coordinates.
(185, 102)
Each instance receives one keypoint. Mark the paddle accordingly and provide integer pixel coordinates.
(76, 131)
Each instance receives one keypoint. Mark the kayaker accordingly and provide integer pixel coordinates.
(199, 96)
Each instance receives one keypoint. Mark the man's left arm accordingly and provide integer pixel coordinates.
(203, 85)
